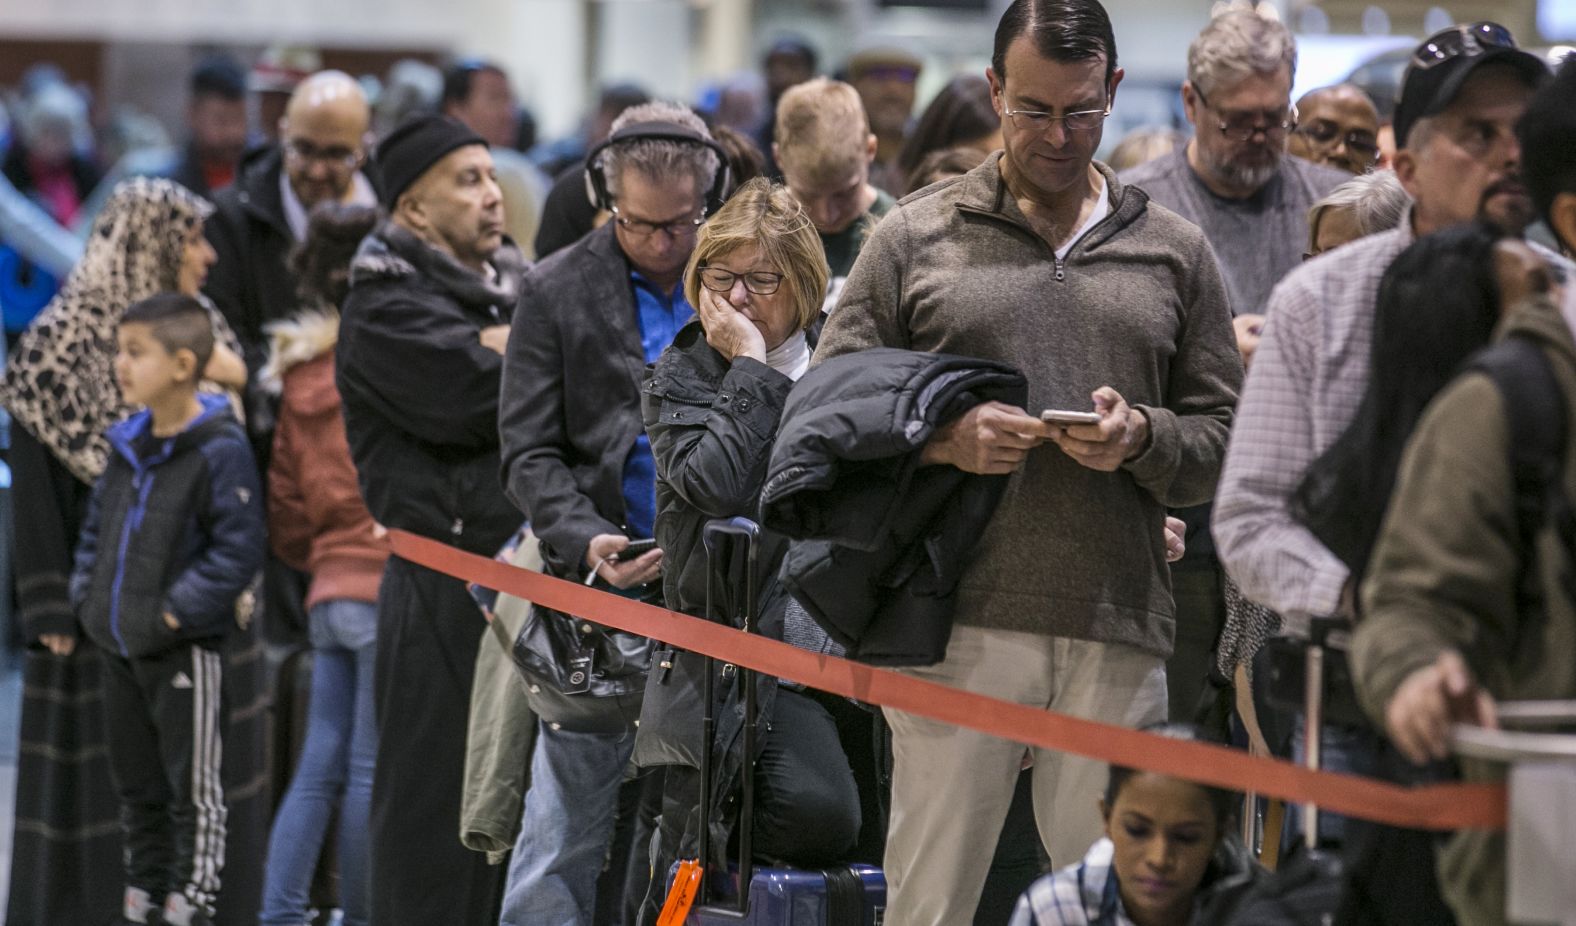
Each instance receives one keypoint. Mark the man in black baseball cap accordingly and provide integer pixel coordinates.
(1462, 93)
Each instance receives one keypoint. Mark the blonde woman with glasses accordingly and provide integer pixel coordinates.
(711, 406)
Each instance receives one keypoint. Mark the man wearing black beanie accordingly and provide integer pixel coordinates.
(418, 365)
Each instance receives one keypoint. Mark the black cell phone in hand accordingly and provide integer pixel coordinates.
(635, 550)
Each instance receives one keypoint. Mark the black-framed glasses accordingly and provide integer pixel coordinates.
(759, 282)
(1029, 120)
(1241, 126)
(1461, 41)
(1359, 142)
(678, 228)
(337, 158)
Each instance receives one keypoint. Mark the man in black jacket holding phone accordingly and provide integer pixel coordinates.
(576, 460)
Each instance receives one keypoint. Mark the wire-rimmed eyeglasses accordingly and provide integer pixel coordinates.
(1241, 126)
(678, 228)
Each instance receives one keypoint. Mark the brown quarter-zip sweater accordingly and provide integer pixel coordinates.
(1138, 305)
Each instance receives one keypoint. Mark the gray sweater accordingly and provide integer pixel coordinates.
(1137, 305)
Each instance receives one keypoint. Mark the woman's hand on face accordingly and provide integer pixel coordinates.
(727, 330)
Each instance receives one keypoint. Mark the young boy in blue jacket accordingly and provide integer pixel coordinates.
(174, 533)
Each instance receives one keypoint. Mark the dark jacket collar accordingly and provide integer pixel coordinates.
(983, 191)
(392, 254)
(125, 435)
(257, 187)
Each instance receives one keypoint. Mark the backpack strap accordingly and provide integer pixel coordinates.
(1536, 414)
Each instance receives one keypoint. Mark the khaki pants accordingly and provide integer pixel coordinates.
(951, 787)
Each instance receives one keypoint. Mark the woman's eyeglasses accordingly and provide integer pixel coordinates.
(1241, 126)
(758, 282)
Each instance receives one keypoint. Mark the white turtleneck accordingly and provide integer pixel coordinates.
(791, 358)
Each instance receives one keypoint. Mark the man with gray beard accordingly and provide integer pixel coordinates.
(1235, 181)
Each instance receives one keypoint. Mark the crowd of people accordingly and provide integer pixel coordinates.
(1076, 434)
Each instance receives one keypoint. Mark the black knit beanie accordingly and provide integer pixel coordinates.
(416, 145)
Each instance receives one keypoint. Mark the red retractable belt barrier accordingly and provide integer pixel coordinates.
(1437, 807)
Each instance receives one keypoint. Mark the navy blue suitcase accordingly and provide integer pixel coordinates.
(850, 895)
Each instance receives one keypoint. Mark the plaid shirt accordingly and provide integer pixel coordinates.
(1084, 894)
(1307, 379)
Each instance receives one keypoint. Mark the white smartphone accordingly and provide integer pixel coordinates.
(1055, 416)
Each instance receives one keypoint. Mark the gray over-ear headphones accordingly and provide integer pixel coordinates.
(596, 169)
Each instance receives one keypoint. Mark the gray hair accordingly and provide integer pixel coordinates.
(1376, 200)
(1236, 45)
(660, 158)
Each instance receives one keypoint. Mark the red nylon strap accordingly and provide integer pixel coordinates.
(1437, 807)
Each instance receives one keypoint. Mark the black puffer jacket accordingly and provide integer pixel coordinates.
(711, 425)
(420, 391)
(881, 541)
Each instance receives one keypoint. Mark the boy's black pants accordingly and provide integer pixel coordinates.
(163, 714)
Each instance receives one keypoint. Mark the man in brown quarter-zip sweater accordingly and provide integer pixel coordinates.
(1041, 258)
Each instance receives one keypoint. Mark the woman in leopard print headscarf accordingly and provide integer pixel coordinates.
(60, 382)
(59, 387)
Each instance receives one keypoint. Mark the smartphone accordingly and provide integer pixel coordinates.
(1055, 416)
(636, 549)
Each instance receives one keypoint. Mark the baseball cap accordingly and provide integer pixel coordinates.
(1441, 65)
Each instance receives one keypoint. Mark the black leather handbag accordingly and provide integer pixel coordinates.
(586, 677)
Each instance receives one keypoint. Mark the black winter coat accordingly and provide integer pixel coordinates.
(570, 410)
(250, 283)
(711, 425)
(880, 541)
(420, 392)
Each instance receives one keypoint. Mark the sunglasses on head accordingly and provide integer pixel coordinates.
(1461, 41)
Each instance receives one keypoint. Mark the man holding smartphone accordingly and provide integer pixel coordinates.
(576, 460)
(1043, 259)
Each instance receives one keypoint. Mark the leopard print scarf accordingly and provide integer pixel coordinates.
(60, 381)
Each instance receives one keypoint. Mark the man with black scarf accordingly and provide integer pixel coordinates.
(419, 359)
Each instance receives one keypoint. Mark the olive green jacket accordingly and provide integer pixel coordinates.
(1445, 572)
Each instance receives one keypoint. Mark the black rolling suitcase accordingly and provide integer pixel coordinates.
(849, 895)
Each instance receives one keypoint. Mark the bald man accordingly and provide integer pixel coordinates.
(1337, 127)
(321, 157)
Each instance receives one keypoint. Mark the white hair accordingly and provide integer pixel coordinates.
(660, 158)
(1376, 200)
(1236, 45)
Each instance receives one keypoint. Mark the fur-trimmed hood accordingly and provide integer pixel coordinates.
(294, 341)
(392, 254)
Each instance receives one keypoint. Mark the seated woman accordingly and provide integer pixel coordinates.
(1169, 857)
(711, 405)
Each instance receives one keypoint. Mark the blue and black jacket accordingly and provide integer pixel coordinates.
(175, 525)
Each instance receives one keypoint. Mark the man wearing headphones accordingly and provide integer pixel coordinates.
(576, 460)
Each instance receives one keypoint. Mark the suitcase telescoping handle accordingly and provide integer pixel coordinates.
(719, 537)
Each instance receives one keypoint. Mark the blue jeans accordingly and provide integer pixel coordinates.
(335, 767)
(1341, 749)
(566, 827)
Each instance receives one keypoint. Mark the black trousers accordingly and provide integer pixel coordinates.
(429, 629)
(163, 715)
(807, 808)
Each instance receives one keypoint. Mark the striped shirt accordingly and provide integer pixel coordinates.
(1084, 894)
(1307, 379)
